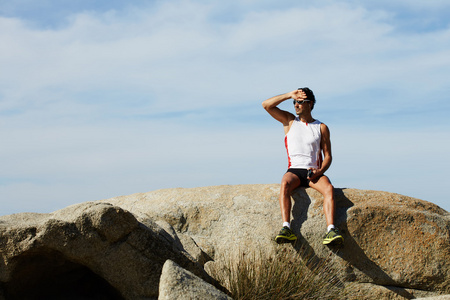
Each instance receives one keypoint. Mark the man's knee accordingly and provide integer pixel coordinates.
(329, 193)
(287, 185)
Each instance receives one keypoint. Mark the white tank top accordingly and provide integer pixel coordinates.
(303, 144)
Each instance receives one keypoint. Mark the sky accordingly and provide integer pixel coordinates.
(107, 98)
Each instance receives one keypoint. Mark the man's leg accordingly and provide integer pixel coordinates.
(324, 186)
(289, 182)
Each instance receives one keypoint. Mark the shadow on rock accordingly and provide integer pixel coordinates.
(308, 224)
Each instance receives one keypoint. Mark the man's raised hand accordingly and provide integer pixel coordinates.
(298, 95)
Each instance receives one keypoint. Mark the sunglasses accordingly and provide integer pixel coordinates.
(300, 102)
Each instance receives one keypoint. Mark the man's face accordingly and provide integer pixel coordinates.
(301, 108)
(303, 105)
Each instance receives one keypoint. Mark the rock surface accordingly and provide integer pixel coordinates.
(178, 284)
(396, 247)
(391, 240)
(88, 250)
(395, 242)
(216, 218)
(444, 297)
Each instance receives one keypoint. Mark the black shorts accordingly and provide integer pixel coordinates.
(302, 174)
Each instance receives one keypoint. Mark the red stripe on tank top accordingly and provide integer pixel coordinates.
(287, 150)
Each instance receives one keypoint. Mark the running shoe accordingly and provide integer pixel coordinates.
(333, 237)
(285, 236)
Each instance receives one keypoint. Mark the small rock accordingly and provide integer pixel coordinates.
(177, 283)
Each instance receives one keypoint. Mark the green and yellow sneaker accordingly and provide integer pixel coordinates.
(333, 237)
(285, 236)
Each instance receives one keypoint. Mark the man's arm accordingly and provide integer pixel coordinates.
(270, 105)
(325, 145)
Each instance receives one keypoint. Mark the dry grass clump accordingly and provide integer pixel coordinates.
(276, 276)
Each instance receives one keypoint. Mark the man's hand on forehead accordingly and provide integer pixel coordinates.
(299, 95)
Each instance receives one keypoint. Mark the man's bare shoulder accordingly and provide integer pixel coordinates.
(324, 130)
(323, 126)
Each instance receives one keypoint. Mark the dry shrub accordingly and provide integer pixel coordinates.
(282, 274)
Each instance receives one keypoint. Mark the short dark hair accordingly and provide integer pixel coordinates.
(309, 95)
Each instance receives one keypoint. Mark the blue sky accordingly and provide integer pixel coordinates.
(106, 98)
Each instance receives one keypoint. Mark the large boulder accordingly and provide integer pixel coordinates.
(91, 250)
(390, 240)
(217, 218)
(395, 246)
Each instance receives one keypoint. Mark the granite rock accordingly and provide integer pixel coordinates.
(85, 250)
(393, 243)
(396, 247)
(177, 283)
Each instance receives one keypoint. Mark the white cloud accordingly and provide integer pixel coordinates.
(169, 95)
(179, 50)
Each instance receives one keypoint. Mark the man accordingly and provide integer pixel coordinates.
(306, 140)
